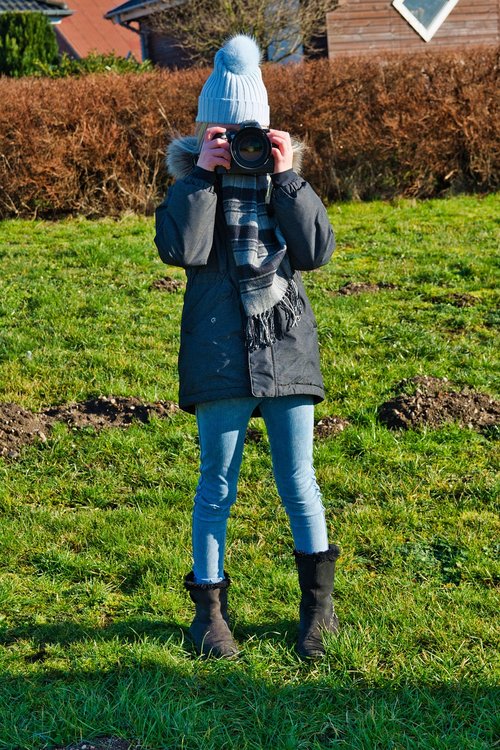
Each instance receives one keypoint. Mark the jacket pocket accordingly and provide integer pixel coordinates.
(211, 307)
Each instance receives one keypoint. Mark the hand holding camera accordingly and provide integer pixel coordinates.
(282, 150)
(249, 150)
(214, 152)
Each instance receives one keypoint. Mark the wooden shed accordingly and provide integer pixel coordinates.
(358, 27)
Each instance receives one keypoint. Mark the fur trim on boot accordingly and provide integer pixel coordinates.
(317, 615)
(209, 630)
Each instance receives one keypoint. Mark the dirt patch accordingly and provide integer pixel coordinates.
(323, 428)
(425, 401)
(108, 411)
(456, 299)
(167, 284)
(328, 426)
(361, 287)
(253, 435)
(103, 743)
(20, 427)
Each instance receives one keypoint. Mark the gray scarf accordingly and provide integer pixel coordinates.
(268, 292)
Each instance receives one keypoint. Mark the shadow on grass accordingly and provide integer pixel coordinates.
(282, 632)
(162, 708)
(154, 695)
(67, 633)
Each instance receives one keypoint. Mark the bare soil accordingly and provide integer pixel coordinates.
(457, 299)
(20, 427)
(362, 287)
(108, 411)
(328, 426)
(167, 284)
(323, 428)
(427, 401)
(253, 435)
(419, 401)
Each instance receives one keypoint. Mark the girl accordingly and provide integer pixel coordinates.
(248, 337)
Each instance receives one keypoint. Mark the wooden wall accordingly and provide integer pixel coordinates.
(162, 49)
(373, 26)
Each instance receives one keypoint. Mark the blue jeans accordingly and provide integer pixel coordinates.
(222, 426)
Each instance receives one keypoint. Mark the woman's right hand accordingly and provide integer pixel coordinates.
(214, 151)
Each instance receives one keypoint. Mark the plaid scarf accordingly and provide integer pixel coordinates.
(268, 292)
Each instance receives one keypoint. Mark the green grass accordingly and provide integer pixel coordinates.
(95, 527)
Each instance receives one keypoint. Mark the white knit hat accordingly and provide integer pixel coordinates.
(235, 92)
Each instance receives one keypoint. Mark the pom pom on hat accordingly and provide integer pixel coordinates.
(235, 92)
(240, 55)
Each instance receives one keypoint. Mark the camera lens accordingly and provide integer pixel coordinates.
(250, 148)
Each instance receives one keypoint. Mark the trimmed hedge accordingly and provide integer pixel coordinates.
(418, 126)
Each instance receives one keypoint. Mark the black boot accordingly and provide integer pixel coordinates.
(210, 630)
(316, 574)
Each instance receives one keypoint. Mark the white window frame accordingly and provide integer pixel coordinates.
(426, 32)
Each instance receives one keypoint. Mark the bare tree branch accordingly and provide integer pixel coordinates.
(280, 27)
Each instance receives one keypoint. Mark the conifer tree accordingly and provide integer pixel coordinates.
(25, 39)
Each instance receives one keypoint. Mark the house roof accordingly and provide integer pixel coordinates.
(135, 9)
(128, 6)
(87, 30)
(51, 8)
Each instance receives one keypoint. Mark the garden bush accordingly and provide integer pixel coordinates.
(94, 62)
(421, 126)
(26, 39)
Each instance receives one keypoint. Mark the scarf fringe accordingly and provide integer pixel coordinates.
(271, 325)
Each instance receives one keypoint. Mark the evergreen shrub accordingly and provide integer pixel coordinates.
(26, 40)
(91, 63)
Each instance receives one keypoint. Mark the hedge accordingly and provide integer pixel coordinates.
(419, 126)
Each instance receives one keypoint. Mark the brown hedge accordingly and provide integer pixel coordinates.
(408, 126)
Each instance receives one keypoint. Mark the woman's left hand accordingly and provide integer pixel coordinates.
(282, 150)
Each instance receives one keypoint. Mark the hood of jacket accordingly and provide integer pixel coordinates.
(182, 155)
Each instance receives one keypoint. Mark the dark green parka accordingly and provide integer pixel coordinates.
(191, 233)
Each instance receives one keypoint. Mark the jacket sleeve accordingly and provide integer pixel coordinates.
(303, 221)
(185, 220)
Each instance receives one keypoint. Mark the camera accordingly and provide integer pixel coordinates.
(250, 149)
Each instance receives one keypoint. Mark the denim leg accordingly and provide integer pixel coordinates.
(221, 427)
(290, 424)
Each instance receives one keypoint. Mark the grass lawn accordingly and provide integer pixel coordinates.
(95, 526)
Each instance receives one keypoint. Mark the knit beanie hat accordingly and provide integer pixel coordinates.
(235, 92)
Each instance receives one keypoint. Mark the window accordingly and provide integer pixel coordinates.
(426, 16)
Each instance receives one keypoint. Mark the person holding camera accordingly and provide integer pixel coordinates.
(243, 224)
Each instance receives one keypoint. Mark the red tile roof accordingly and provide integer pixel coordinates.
(87, 30)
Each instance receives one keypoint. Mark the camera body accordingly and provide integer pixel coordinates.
(250, 149)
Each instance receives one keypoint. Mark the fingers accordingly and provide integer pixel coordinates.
(220, 156)
(282, 150)
(280, 139)
(212, 132)
(214, 151)
(215, 158)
